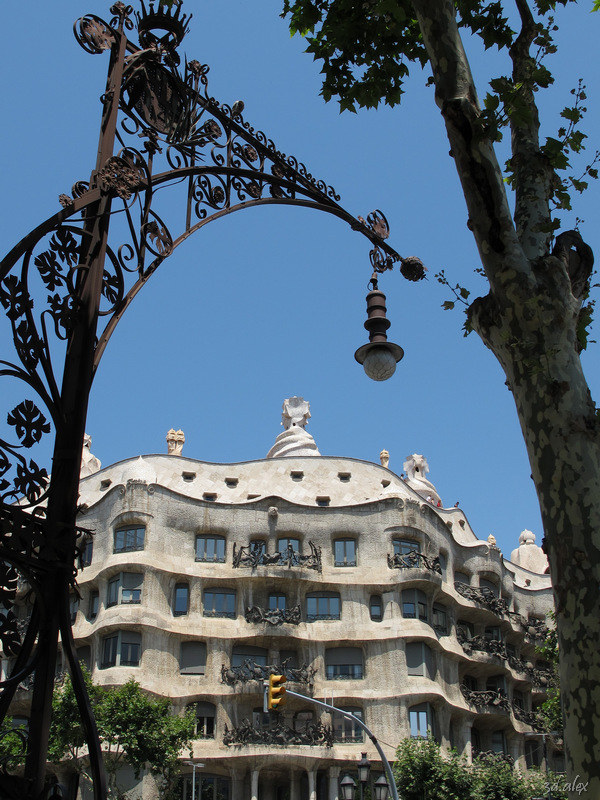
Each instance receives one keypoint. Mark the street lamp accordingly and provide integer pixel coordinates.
(66, 286)
(195, 764)
(364, 768)
(381, 788)
(348, 786)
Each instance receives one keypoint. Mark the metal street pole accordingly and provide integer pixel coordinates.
(361, 724)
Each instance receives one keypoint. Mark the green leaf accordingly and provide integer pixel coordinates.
(448, 305)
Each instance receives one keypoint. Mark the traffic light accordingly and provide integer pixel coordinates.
(276, 692)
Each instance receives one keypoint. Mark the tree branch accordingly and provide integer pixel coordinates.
(478, 169)
(533, 174)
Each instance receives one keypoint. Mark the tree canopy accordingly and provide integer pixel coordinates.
(134, 729)
(536, 313)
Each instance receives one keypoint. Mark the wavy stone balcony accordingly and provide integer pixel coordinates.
(251, 671)
(313, 735)
(254, 555)
(414, 559)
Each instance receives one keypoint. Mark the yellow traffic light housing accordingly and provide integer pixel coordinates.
(276, 692)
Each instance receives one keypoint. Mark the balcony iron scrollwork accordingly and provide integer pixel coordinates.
(531, 718)
(314, 735)
(495, 647)
(483, 596)
(493, 698)
(254, 555)
(414, 559)
(274, 616)
(251, 671)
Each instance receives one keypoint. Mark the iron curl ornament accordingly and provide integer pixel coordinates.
(65, 287)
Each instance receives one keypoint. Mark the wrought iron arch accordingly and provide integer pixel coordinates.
(66, 286)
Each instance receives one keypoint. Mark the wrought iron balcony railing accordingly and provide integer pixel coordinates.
(493, 698)
(274, 616)
(483, 596)
(254, 555)
(414, 559)
(314, 735)
(251, 671)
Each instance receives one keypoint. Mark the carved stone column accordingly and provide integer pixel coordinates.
(295, 786)
(334, 782)
(254, 784)
(312, 784)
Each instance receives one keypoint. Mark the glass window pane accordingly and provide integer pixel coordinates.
(180, 604)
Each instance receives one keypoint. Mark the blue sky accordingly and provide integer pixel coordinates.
(270, 302)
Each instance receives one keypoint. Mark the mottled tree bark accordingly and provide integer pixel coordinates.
(529, 320)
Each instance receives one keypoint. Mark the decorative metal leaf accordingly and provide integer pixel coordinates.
(110, 287)
(31, 481)
(14, 297)
(62, 310)
(29, 422)
(49, 269)
(27, 344)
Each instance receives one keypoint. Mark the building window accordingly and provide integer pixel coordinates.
(462, 577)
(245, 652)
(276, 602)
(498, 742)
(208, 787)
(464, 629)
(404, 546)
(532, 754)
(87, 552)
(376, 607)
(485, 584)
(219, 603)
(475, 742)
(121, 649)
(210, 548)
(439, 619)
(181, 599)
(344, 663)
(129, 539)
(323, 605)
(289, 550)
(94, 604)
(470, 683)
(421, 721)
(496, 683)
(519, 699)
(414, 604)
(192, 658)
(419, 659)
(348, 730)
(205, 720)
(344, 552)
(493, 634)
(125, 589)
(84, 656)
(73, 608)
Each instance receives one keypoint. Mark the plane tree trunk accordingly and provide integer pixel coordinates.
(530, 320)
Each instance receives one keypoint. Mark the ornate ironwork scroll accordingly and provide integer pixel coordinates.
(253, 555)
(251, 671)
(314, 734)
(483, 596)
(274, 616)
(492, 698)
(65, 287)
(414, 559)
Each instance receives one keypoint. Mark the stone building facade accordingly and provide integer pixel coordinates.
(201, 579)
